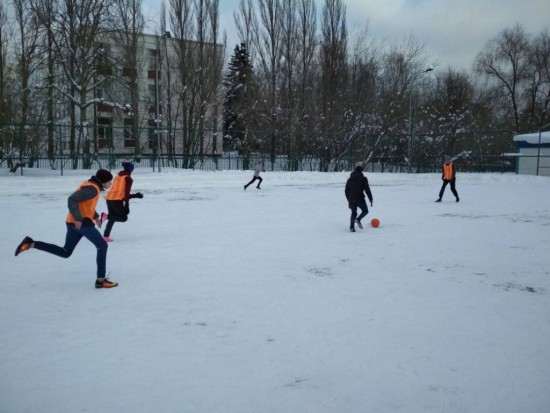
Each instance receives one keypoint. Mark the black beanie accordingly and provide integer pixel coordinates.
(104, 175)
(128, 166)
(359, 168)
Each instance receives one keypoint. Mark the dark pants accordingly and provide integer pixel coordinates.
(253, 179)
(117, 213)
(71, 241)
(364, 211)
(453, 189)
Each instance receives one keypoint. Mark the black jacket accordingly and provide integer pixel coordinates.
(357, 186)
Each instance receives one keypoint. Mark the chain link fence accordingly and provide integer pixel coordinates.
(109, 146)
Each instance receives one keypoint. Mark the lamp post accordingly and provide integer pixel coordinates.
(157, 112)
(411, 117)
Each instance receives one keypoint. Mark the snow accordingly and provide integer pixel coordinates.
(533, 138)
(263, 301)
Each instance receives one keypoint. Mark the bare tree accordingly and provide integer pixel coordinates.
(75, 29)
(247, 25)
(289, 68)
(29, 61)
(362, 120)
(334, 44)
(268, 47)
(128, 18)
(537, 91)
(447, 118)
(6, 94)
(198, 67)
(505, 60)
(307, 109)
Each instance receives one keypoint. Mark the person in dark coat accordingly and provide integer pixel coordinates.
(80, 222)
(118, 199)
(356, 187)
(448, 176)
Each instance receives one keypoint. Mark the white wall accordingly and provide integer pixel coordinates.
(527, 164)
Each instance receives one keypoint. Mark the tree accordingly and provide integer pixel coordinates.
(6, 93)
(268, 47)
(307, 109)
(75, 30)
(505, 60)
(128, 17)
(537, 90)
(446, 118)
(27, 56)
(239, 104)
(334, 76)
(197, 70)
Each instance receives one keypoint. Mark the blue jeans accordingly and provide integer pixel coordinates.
(72, 239)
(362, 205)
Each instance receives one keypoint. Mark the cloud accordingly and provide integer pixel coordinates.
(453, 32)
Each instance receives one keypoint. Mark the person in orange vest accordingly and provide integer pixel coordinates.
(449, 177)
(118, 199)
(80, 222)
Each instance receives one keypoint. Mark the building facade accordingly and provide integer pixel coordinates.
(533, 152)
(162, 101)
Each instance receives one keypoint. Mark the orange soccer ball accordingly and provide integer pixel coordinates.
(375, 222)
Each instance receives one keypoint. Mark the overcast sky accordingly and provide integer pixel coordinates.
(453, 31)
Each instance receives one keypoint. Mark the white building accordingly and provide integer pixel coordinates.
(532, 151)
(159, 114)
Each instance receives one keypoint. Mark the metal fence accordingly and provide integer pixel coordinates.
(61, 166)
(479, 151)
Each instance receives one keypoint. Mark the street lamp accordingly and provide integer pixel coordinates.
(411, 110)
(157, 108)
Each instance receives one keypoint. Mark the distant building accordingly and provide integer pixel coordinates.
(533, 149)
(114, 126)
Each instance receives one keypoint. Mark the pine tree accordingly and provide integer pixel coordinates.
(239, 101)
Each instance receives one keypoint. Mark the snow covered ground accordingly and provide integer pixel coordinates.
(263, 301)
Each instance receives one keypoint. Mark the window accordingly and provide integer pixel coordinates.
(129, 140)
(154, 65)
(104, 133)
(153, 59)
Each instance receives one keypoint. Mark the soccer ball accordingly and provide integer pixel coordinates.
(375, 222)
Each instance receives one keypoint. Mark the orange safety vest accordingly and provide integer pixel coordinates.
(87, 208)
(118, 189)
(448, 171)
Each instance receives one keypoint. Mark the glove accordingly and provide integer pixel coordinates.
(137, 195)
(370, 203)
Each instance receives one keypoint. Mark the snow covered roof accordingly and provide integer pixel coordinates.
(533, 138)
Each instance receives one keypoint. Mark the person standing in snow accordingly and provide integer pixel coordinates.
(356, 187)
(449, 177)
(118, 199)
(257, 169)
(80, 223)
